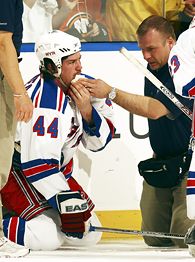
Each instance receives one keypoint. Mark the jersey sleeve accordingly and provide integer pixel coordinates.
(181, 63)
(98, 134)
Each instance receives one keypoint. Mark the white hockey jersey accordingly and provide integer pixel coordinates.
(181, 63)
(50, 139)
(182, 67)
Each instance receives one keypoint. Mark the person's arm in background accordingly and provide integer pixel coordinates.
(186, 16)
(180, 17)
(189, 9)
(64, 7)
(10, 68)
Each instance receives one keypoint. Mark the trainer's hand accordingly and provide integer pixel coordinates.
(97, 87)
(23, 108)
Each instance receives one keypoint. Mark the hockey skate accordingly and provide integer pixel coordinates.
(11, 249)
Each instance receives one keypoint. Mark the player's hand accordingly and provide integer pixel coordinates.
(81, 97)
(74, 213)
(23, 108)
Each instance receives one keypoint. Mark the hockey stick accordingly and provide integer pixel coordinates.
(136, 232)
(156, 82)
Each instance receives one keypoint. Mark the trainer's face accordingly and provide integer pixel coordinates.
(155, 48)
(71, 66)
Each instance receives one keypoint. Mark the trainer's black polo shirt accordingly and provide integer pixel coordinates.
(168, 137)
(11, 20)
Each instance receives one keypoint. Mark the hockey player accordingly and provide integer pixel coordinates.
(182, 67)
(51, 207)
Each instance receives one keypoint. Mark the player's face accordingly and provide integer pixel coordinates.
(155, 48)
(71, 67)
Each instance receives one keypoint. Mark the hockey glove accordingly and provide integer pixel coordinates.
(74, 212)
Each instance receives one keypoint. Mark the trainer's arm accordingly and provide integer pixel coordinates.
(10, 69)
(136, 104)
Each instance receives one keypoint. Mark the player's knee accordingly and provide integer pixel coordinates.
(42, 234)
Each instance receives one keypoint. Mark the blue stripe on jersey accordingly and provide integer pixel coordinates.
(108, 139)
(6, 226)
(49, 94)
(42, 175)
(65, 104)
(67, 175)
(87, 76)
(38, 162)
(93, 131)
(190, 191)
(35, 90)
(20, 229)
(53, 202)
(30, 83)
(186, 88)
(191, 174)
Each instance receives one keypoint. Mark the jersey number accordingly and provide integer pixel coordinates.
(52, 129)
(175, 63)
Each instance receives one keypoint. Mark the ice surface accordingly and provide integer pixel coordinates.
(119, 250)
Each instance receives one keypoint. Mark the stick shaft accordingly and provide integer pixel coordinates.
(136, 232)
(156, 82)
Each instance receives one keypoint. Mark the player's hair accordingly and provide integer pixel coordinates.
(49, 69)
(157, 23)
(45, 71)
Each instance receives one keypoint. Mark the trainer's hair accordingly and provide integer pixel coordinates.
(158, 23)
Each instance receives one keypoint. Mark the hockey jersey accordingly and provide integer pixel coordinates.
(50, 139)
(182, 68)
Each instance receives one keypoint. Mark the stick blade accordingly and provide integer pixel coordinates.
(190, 236)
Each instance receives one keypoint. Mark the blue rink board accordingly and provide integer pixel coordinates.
(103, 46)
